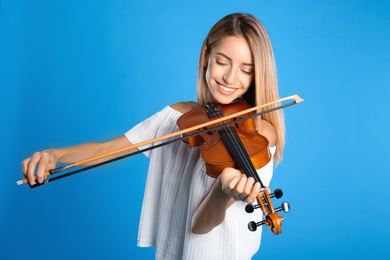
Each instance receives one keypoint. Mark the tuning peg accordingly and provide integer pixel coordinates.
(285, 207)
(278, 193)
(252, 226)
(250, 208)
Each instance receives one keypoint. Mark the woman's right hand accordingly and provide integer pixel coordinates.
(40, 162)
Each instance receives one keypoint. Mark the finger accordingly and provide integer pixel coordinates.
(229, 178)
(250, 182)
(229, 186)
(254, 191)
(42, 165)
(244, 188)
(24, 166)
(32, 166)
(240, 185)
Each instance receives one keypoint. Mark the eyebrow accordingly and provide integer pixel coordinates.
(227, 57)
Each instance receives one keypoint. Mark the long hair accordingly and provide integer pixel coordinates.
(264, 88)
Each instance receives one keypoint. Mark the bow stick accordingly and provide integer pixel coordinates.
(182, 133)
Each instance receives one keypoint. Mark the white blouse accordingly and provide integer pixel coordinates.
(176, 185)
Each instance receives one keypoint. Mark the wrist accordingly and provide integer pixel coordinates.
(223, 198)
(54, 153)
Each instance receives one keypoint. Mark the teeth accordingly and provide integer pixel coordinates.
(227, 89)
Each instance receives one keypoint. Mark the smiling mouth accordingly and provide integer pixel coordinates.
(226, 89)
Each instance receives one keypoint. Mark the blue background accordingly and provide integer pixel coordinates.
(78, 71)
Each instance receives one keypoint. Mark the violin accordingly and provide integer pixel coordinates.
(237, 145)
(235, 128)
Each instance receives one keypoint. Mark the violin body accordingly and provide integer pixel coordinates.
(214, 152)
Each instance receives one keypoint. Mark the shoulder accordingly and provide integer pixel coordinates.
(184, 107)
(267, 130)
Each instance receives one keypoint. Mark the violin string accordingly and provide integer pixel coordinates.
(234, 139)
(236, 142)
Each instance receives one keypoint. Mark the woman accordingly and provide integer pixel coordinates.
(186, 214)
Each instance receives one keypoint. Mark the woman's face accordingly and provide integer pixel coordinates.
(230, 69)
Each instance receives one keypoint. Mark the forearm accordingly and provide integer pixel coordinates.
(41, 162)
(79, 152)
(76, 153)
(212, 210)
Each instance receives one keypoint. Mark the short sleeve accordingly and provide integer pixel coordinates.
(163, 121)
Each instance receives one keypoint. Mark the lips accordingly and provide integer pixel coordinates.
(226, 90)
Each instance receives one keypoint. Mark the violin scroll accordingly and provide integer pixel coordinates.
(272, 219)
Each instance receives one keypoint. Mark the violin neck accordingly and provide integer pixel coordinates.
(237, 150)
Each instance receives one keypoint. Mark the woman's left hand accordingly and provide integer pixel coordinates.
(238, 186)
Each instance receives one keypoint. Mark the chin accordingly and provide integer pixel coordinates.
(225, 100)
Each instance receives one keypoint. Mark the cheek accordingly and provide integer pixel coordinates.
(207, 76)
(214, 71)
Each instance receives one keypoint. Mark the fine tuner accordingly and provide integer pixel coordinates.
(285, 206)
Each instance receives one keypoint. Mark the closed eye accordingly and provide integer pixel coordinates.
(221, 63)
(247, 72)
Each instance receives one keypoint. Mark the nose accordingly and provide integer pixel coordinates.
(229, 76)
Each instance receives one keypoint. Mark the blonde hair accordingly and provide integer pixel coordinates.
(264, 89)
